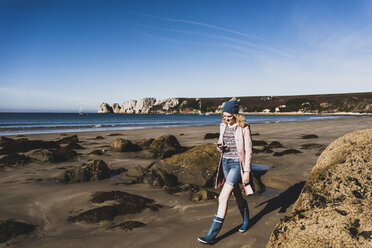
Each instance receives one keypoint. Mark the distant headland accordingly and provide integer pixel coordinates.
(352, 103)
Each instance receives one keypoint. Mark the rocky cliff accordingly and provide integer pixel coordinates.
(334, 208)
(330, 103)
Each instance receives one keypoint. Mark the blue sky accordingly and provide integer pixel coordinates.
(61, 55)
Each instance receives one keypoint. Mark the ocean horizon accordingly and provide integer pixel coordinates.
(37, 123)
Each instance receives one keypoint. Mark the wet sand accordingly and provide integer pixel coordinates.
(29, 195)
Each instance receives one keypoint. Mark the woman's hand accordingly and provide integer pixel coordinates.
(245, 178)
(219, 147)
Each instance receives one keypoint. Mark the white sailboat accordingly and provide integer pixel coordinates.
(81, 112)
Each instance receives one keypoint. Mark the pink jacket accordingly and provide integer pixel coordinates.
(243, 142)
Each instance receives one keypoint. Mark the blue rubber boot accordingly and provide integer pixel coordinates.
(245, 215)
(215, 229)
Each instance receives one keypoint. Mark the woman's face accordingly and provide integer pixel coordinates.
(229, 118)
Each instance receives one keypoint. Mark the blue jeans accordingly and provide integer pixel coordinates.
(231, 170)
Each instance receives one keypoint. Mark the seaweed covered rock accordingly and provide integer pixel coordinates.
(130, 225)
(10, 229)
(24, 145)
(123, 145)
(13, 160)
(196, 166)
(74, 145)
(68, 140)
(165, 145)
(92, 171)
(285, 152)
(137, 172)
(334, 208)
(127, 204)
(203, 194)
(144, 143)
(160, 178)
(54, 155)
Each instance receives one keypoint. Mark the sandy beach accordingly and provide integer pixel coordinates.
(30, 194)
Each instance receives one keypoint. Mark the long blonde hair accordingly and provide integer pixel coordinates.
(240, 119)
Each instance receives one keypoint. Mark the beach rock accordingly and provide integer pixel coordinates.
(98, 137)
(319, 147)
(130, 225)
(104, 108)
(116, 108)
(160, 178)
(144, 143)
(127, 204)
(96, 152)
(313, 146)
(275, 144)
(259, 143)
(25, 145)
(285, 152)
(5, 141)
(211, 135)
(309, 136)
(196, 166)
(115, 134)
(203, 194)
(147, 154)
(165, 146)
(137, 172)
(54, 155)
(74, 145)
(13, 160)
(10, 229)
(43, 155)
(334, 208)
(266, 149)
(68, 140)
(92, 171)
(123, 145)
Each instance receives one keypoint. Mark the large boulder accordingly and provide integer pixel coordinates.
(10, 229)
(123, 145)
(165, 146)
(196, 166)
(334, 208)
(92, 171)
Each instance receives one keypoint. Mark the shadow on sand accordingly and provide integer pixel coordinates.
(282, 202)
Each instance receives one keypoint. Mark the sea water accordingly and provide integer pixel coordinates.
(34, 123)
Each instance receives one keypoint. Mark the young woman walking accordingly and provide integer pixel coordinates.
(235, 144)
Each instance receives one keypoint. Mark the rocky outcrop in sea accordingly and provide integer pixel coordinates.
(331, 103)
(334, 208)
